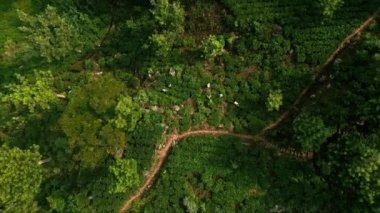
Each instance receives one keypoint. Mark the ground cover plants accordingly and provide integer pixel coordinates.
(189, 106)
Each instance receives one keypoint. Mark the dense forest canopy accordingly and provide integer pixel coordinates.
(189, 106)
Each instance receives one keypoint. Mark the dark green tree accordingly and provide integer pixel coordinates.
(353, 165)
(96, 119)
(310, 131)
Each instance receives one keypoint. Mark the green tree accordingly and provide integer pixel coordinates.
(93, 120)
(31, 93)
(353, 164)
(310, 131)
(56, 36)
(20, 179)
(26, 99)
(124, 175)
(169, 19)
(168, 16)
(274, 100)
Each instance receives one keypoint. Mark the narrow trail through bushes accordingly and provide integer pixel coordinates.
(161, 154)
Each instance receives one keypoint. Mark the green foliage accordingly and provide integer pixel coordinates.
(124, 175)
(56, 202)
(204, 17)
(168, 16)
(127, 113)
(310, 131)
(148, 133)
(330, 6)
(90, 65)
(190, 204)
(169, 19)
(31, 93)
(213, 46)
(101, 198)
(215, 118)
(163, 43)
(274, 100)
(25, 100)
(349, 160)
(12, 50)
(154, 54)
(56, 36)
(219, 174)
(353, 164)
(88, 121)
(311, 39)
(9, 20)
(20, 179)
(78, 202)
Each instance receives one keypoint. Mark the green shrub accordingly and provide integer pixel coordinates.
(274, 100)
(213, 46)
(330, 6)
(233, 63)
(198, 119)
(185, 123)
(124, 175)
(215, 118)
(90, 64)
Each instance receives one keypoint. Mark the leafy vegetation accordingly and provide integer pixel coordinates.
(359, 174)
(31, 94)
(274, 100)
(169, 18)
(125, 175)
(98, 86)
(329, 6)
(310, 132)
(87, 121)
(21, 176)
(213, 47)
(222, 174)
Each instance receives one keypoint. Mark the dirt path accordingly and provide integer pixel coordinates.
(161, 156)
(329, 61)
